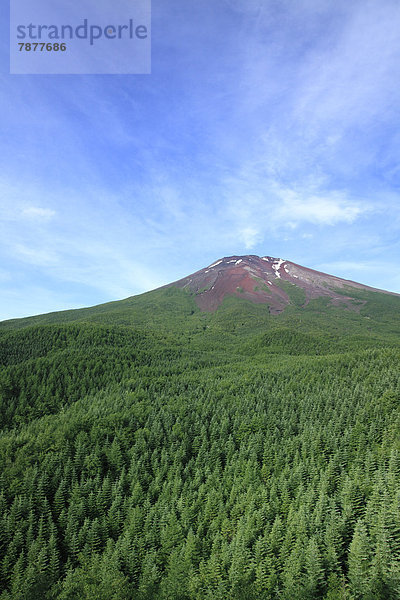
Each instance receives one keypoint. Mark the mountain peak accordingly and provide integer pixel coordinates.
(267, 280)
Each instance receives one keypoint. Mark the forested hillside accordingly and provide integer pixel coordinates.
(150, 451)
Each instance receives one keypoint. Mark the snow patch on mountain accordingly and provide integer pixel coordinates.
(277, 265)
(215, 264)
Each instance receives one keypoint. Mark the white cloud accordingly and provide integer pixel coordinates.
(37, 212)
(329, 209)
(257, 205)
(36, 256)
(250, 237)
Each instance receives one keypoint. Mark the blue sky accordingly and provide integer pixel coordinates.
(265, 128)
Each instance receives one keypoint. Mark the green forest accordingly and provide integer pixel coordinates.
(150, 451)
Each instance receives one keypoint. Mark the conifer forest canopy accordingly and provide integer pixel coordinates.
(152, 451)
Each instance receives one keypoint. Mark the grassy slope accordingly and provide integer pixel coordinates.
(175, 311)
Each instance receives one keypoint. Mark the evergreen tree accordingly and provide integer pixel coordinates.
(360, 562)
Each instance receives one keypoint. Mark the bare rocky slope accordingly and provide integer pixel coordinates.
(268, 280)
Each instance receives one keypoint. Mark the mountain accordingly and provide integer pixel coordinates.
(265, 280)
(246, 295)
(234, 434)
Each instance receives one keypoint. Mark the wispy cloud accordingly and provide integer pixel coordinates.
(35, 256)
(352, 80)
(329, 209)
(37, 212)
(259, 205)
(250, 236)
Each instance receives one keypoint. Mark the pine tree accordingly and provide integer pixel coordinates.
(314, 573)
(175, 585)
(384, 575)
(54, 561)
(359, 562)
(292, 575)
(18, 580)
(148, 585)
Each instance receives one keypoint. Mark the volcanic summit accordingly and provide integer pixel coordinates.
(267, 280)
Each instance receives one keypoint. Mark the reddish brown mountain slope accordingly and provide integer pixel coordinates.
(261, 280)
